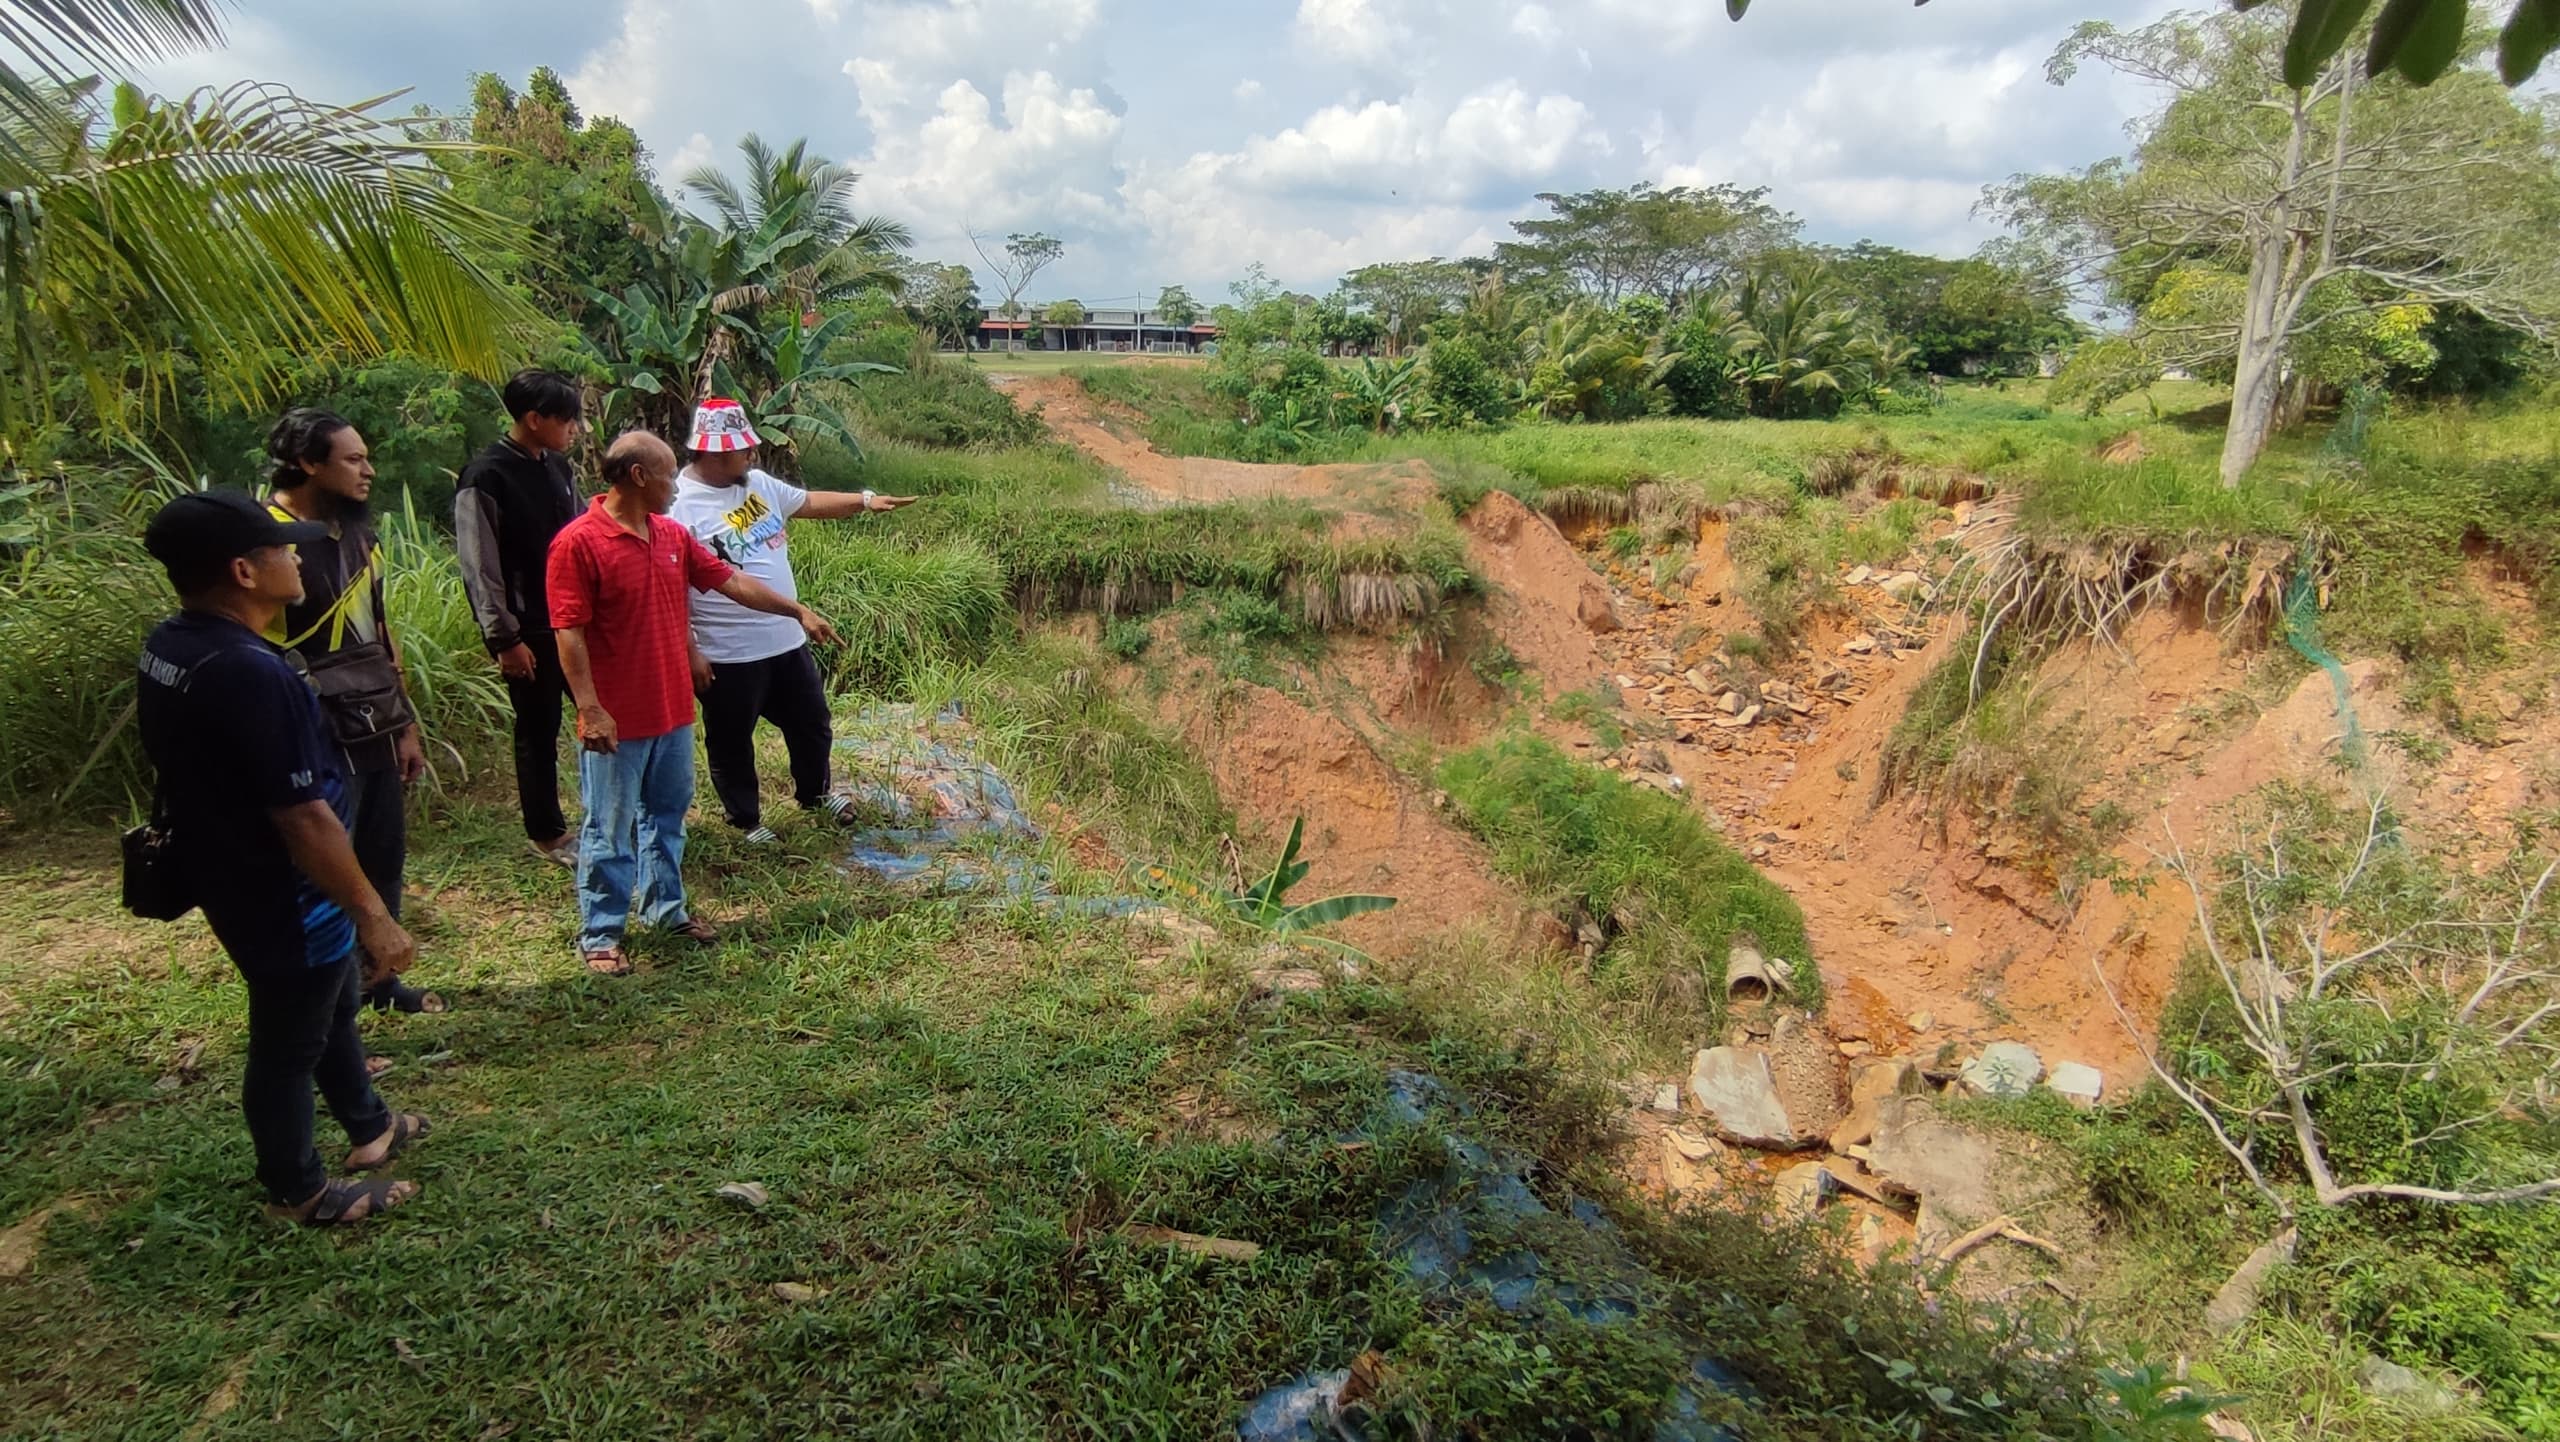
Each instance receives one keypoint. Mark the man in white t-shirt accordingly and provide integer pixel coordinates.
(756, 670)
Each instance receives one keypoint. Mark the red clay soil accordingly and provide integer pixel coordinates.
(1545, 604)
(1913, 910)
(1369, 828)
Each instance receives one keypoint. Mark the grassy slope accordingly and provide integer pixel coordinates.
(954, 1112)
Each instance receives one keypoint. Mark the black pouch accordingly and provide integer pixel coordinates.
(155, 884)
(360, 692)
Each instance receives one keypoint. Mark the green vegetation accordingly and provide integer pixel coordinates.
(1668, 898)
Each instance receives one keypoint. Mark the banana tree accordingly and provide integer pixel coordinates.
(1378, 392)
(797, 406)
(1264, 906)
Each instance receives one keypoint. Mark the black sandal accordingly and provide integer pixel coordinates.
(406, 1127)
(400, 996)
(341, 1196)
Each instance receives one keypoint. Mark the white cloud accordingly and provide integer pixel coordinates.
(1414, 148)
(1248, 89)
(696, 152)
(624, 77)
(1045, 158)
(913, 49)
(1537, 24)
(1362, 31)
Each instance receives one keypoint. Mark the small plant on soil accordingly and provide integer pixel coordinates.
(1127, 638)
(1264, 906)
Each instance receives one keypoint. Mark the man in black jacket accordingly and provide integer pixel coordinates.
(512, 499)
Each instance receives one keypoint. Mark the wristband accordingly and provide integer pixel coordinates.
(867, 498)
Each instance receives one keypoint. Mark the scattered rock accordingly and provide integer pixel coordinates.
(2078, 1081)
(1223, 1249)
(1851, 1177)
(1625, 682)
(1869, 1085)
(1735, 1088)
(2005, 1069)
(796, 1292)
(1696, 1146)
(1652, 759)
(1954, 1170)
(1856, 1048)
(1699, 681)
(2412, 1390)
(1595, 612)
(2238, 1297)
(1730, 703)
(1920, 1021)
(752, 1194)
(1801, 1189)
(1860, 576)
(1689, 575)
(1750, 714)
(1903, 585)
(1666, 1098)
(1689, 1170)
(1858, 645)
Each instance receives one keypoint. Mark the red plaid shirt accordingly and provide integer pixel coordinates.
(629, 594)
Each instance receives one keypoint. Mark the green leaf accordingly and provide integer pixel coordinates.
(1733, 8)
(2320, 28)
(2531, 33)
(1328, 911)
(2420, 36)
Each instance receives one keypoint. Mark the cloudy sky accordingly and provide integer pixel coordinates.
(1176, 141)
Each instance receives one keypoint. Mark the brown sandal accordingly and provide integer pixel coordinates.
(696, 930)
(608, 961)
(406, 1127)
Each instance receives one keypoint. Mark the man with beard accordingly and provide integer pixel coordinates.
(339, 633)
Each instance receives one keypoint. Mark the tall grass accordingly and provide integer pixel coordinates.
(898, 607)
(1120, 560)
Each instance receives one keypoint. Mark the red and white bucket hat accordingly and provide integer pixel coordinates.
(721, 425)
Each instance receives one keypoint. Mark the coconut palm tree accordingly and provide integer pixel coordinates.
(796, 239)
(142, 238)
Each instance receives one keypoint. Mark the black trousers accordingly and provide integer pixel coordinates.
(302, 1030)
(784, 690)
(379, 829)
(537, 705)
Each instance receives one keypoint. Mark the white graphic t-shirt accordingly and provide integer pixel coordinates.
(743, 525)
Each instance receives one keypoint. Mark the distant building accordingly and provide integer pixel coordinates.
(1102, 330)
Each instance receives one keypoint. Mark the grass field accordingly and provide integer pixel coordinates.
(955, 1115)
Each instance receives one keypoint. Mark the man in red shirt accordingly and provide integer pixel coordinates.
(617, 582)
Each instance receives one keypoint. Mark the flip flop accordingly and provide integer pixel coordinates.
(342, 1194)
(406, 1127)
(695, 930)
(608, 961)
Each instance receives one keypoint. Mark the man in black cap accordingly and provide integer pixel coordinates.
(251, 791)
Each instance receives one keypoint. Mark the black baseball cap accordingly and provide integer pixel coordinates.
(210, 528)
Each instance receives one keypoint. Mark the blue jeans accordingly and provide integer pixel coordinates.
(636, 798)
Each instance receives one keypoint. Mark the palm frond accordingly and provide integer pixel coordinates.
(62, 36)
(257, 223)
